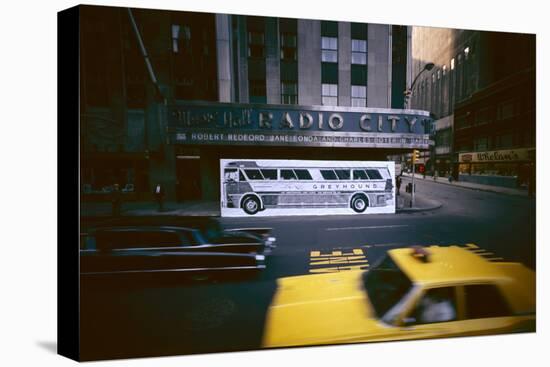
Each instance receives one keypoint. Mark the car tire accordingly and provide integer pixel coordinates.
(251, 205)
(359, 203)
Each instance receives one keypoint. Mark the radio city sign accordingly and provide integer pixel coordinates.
(225, 123)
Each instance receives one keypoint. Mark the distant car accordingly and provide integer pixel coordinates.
(411, 294)
(161, 249)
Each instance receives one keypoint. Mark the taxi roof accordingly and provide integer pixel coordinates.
(445, 264)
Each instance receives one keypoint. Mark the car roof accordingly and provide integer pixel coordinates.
(445, 264)
(143, 229)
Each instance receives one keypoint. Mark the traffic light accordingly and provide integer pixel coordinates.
(415, 155)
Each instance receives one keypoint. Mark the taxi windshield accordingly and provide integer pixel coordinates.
(385, 285)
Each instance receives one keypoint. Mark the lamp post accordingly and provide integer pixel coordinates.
(408, 93)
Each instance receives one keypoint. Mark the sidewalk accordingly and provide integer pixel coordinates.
(212, 208)
(187, 208)
(469, 185)
(421, 203)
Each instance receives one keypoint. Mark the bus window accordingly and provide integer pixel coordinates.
(269, 174)
(303, 174)
(231, 175)
(328, 174)
(241, 176)
(288, 174)
(343, 174)
(254, 174)
(359, 174)
(374, 174)
(385, 173)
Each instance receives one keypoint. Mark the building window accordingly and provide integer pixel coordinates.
(358, 96)
(329, 49)
(181, 36)
(329, 94)
(504, 141)
(289, 93)
(257, 91)
(481, 144)
(359, 52)
(483, 116)
(507, 109)
(256, 44)
(288, 47)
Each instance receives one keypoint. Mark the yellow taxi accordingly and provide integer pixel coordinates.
(413, 293)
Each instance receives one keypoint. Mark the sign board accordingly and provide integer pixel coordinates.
(512, 155)
(302, 187)
(284, 125)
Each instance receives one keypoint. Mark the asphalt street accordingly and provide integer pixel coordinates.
(135, 319)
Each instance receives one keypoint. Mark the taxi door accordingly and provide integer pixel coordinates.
(486, 311)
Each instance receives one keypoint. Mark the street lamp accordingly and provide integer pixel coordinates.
(408, 93)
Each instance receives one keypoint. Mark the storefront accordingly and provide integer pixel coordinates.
(102, 170)
(199, 134)
(508, 168)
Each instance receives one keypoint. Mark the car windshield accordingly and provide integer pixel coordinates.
(385, 285)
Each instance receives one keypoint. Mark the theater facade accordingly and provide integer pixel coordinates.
(200, 134)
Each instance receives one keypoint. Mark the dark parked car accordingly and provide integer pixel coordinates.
(202, 250)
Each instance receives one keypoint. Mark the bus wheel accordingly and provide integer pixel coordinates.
(251, 205)
(359, 203)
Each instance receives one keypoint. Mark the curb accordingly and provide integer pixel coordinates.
(435, 206)
(488, 189)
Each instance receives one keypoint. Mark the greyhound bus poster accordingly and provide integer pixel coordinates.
(252, 187)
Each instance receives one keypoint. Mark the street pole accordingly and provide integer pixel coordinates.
(412, 190)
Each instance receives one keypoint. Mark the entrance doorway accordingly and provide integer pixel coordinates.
(188, 177)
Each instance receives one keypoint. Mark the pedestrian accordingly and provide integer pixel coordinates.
(159, 196)
(436, 306)
(398, 184)
(116, 200)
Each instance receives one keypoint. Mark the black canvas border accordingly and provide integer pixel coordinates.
(68, 224)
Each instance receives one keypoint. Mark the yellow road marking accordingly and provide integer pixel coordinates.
(338, 268)
(337, 257)
(340, 260)
(318, 254)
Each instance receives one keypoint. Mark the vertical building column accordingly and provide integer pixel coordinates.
(409, 71)
(379, 66)
(309, 62)
(241, 59)
(344, 64)
(272, 61)
(224, 58)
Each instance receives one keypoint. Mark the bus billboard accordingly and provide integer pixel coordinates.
(262, 187)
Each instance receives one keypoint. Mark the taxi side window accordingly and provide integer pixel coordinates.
(436, 305)
(485, 300)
